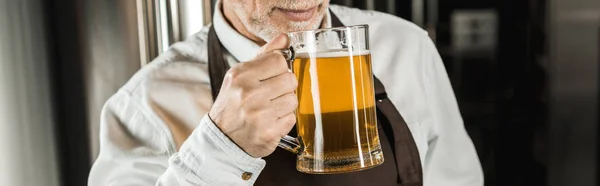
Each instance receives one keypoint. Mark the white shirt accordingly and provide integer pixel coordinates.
(143, 123)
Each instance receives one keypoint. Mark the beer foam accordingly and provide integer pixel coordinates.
(332, 54)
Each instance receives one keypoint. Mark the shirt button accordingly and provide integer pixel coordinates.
(380, 100)
(246, 175)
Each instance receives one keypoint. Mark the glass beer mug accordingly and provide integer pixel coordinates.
(336, 117)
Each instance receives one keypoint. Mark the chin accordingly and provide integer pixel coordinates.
(293, 26)
(279, 25)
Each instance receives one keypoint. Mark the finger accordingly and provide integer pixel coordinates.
(286, 123)
(271, 62)
(264, 67)
(279, 85)
(253, 72)
(284, 105)
(279, 43)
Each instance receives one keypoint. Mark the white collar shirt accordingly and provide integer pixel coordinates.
(154, 130)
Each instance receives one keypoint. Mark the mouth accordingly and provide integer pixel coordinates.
(299, 15)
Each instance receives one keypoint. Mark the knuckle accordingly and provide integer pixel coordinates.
(278, 61)
(285, 106)
(247, 109)
(291, 81)
(249, 120)
(287, 103)
(234, 75)
(291, 119)
(293, 101)
(247, 95)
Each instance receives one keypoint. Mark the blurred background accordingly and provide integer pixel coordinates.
(525, 73)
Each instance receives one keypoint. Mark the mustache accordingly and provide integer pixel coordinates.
(297, 4)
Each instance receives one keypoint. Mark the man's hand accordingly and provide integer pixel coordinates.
(256, 104)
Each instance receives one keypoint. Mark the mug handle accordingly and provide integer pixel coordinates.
(291, 144)
(294, 145)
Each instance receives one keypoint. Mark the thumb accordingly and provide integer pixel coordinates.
(280, 42)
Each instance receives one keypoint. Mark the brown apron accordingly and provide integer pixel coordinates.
(402, 165)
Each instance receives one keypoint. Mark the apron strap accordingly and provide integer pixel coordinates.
(217, 65)
(408, 162)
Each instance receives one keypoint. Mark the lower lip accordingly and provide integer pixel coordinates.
(298, 15)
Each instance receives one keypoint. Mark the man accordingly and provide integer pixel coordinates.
(163, 127)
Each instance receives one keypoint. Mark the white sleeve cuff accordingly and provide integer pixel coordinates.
(210, 157)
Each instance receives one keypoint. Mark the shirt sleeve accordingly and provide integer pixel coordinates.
(135, 151)
(451, 159)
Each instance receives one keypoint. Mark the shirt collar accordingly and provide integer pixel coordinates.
(240, 47)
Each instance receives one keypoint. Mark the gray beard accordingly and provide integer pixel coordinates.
(268, 31)
(260, 26)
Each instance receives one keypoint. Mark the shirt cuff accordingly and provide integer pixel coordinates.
(210, 156)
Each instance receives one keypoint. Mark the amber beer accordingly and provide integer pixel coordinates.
(336, 118)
